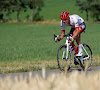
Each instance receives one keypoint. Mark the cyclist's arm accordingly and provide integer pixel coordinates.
(61, 37)
(62, 33)
(62, 30)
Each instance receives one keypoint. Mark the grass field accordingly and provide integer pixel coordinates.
(35, 42)
(26, 45)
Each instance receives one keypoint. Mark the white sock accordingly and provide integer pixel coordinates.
(80, 48)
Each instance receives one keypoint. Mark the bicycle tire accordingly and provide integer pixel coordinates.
(87, 64)
(62, 64)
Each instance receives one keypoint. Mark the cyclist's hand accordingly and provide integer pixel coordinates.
(57, 40)
(72, 39)
(61, 37)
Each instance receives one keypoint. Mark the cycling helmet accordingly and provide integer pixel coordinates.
(64, 15)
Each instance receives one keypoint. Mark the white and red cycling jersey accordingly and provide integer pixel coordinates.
(75, 22)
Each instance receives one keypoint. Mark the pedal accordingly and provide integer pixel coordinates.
(76, 62)
(64, 58)
(85, 56)
(78, 56)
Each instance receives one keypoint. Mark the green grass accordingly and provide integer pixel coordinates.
(26, 42)
(23, 43)
(35, 42)
(52, 10)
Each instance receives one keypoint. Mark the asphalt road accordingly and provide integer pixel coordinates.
(40, 73)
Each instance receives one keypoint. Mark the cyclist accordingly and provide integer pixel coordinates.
(77, 27)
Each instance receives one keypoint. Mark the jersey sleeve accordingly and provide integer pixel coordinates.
(62, 25)
(76, 23)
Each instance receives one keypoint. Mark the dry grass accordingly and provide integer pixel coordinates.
(96, 61)
(46, 22)
(26, 66)
(72, 81)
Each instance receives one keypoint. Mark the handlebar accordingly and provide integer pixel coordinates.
(62, 35)
(56, 36)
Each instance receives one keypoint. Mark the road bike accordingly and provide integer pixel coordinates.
(66, 53)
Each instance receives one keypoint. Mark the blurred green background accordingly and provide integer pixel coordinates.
(34, 41)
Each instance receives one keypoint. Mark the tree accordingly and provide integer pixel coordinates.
(90, 5)
(33, 4)
(1, 4)
(1, 9)
(84, 6)
(40, 4)
(18, 5)
(6, 6)
(95, 9)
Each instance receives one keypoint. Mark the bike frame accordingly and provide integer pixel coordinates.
(86, 53)
(69, 50)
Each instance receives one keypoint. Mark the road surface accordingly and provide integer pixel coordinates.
(47, 72)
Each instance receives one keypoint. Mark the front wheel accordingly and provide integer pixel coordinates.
(62, 59)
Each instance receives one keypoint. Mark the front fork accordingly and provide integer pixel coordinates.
(65, 53)
(66, 50)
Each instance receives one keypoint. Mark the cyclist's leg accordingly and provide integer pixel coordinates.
(74, 34)
(71, 32)
(82, 28)
(78, 39)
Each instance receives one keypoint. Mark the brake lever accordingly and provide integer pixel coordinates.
(55, 35)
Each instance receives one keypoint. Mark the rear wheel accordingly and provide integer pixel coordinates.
(88, 56)
(64, 62)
